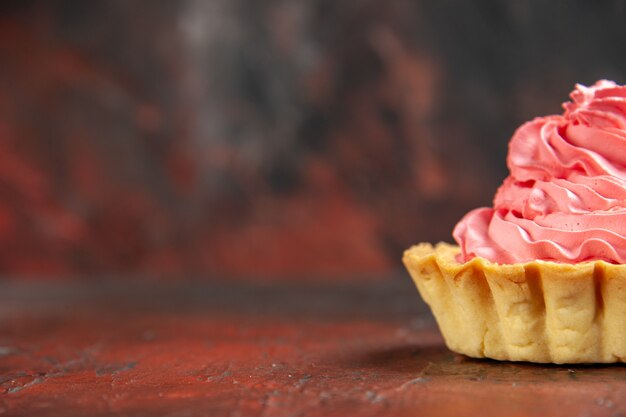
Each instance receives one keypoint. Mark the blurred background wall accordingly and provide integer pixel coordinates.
(280, 139)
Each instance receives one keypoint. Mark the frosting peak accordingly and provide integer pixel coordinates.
(565, 197)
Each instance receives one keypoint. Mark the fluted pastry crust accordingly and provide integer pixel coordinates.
(537, 311)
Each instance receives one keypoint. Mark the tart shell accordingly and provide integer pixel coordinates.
(539, 311)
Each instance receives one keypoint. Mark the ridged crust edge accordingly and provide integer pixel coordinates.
(538, 311)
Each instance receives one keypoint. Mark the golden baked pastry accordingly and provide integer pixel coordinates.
(536, 311)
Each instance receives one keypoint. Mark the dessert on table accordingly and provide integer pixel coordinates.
(541, 275)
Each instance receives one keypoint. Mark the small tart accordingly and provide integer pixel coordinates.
(537, 311)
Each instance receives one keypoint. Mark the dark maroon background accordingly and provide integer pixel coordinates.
(285, 139)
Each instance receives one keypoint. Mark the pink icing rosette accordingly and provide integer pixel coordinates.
(565, 197)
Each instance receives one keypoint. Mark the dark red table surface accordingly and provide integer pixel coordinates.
(199, 349)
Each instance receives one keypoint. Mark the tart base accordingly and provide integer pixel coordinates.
(538, 311)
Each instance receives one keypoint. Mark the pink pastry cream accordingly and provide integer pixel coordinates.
(565, 197)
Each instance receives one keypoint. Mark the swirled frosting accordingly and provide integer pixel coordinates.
(565, 197)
